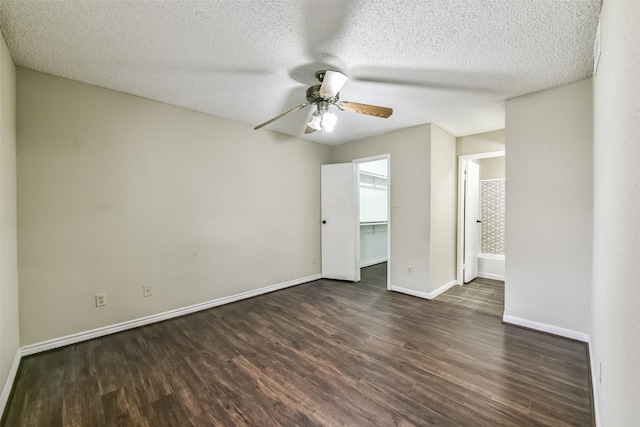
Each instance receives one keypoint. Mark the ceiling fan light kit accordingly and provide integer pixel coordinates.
(323, 96)
(321, 119)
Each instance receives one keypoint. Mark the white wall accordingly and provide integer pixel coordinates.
(9, 326)
(549, 203)
(373, 198)
(616, 261)
(116, 191)
(444, 205)
(373, 244)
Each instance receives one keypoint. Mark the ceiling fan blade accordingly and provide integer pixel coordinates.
(371, 110)
(332, 83)
(293, 110)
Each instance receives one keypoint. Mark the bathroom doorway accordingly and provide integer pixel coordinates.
(481, 230)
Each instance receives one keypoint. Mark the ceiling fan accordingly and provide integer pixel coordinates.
(323, 96)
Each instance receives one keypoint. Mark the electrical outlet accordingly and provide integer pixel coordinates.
(146, 291)
(101, 299)
(409, 270)
(313, 260)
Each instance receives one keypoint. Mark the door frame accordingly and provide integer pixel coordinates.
(356, 162)
(462, 167)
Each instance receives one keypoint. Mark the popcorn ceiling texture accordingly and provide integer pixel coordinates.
(448, 62)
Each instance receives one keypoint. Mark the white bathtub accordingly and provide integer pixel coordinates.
(491, 266)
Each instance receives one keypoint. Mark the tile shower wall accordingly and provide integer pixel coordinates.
(492, 206)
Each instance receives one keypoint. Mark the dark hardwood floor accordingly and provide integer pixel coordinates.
(323, 353)
(485, 295)
(374, 276)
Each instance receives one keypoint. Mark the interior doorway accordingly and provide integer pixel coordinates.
(481, 222)
(374, 240)
(356, 221)
(481, 217)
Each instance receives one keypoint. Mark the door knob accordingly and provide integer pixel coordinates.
(324, 221)
(478, 221)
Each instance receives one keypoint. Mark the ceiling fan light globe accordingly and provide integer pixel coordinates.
(315, 121)
(328, 121)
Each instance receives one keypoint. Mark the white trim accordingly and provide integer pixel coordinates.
(425, 295)
(370, 263)
(491, 276)
(130, 324)
(543, 327)
(594, 381)
(597, 49)
(6, 390)
(411, 292)
(499, 257)
(443, 288)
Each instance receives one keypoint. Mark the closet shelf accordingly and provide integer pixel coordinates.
(373, 223)
(375, 175)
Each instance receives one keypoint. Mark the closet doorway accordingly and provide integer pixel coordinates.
(374, 220)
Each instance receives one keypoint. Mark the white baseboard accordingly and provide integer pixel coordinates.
(119, 327)
(543, 327)
(491, 276)
(594, 380)
(6, 390)
(411, 292)
(425, 295)
(370, 263)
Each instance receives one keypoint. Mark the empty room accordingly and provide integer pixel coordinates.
(319, 213)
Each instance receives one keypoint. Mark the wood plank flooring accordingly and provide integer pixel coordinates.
(485, 295)
(375, 276)
(324, 353)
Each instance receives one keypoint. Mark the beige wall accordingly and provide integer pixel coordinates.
(414, 152)
(480, 143)
(549, 207)
(116, 191)
(9, 330)
(615, 334)
(409, 171)
(492, 168)
(444, 202)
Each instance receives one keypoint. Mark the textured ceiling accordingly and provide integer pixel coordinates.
(448, 62)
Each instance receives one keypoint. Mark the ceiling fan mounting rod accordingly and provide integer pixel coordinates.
(323, 105)
(320, 75)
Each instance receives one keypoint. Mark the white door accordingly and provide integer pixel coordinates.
(472, 222)
(340, 225)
